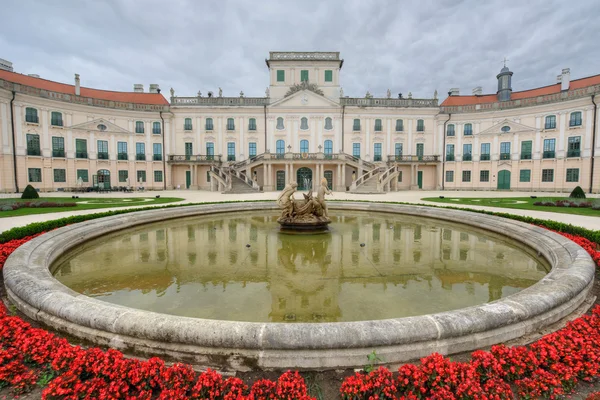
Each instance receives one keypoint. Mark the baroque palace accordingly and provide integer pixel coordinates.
(56, 136)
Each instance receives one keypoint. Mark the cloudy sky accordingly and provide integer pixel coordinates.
(407, 46)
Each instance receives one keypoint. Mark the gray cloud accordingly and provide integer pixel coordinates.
(407, 46)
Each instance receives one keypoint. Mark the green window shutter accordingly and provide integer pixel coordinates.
(83, 174)
(304, 75)
(525, 175)
(280, 75)
(328, 75)
(123, 175)
(60, 175)
(158, 176)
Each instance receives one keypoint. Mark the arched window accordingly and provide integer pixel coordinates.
(31, 115)
(156, 128)
(468, 130)
(304, 146)
(280, 147)
(187, 125)
(420, 125)
(328, 124)
(450, 130)
(56, 119)
(209, 124)
(252, 124)
(304, 123)
(550, 122)
(378, 126)
(575, 119)
(230, 124)
(280, 123)
(356, 125)
(399, 125)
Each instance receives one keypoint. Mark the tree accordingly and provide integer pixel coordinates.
(30, 193)
(577, 193)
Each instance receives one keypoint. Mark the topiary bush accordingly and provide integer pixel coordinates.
(30, 193)
(577, 193)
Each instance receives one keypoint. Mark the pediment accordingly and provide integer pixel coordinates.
(304, 99)
(94, 126)
(515, 127)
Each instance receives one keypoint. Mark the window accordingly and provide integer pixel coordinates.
(280, 147)
(468, 130)
(575, 119)
(81, 148)
(547, 175)
(102, 150)
(60, 175)
(187, 124)
(304, 146)
(574, 147)
(139, 127)
(58, 146)
(525, 175)
(466, 176)
(123, 175)
(328, 124)
(449, 176)
(230, 151)
(526, 150)
(252, 124)
(377, 152)
(33, 145)
(141, 176)
(304, 75)
(210, 151)
(156, 128)
(485, 152)
(252, 149)
(121, 150)
(449, 152)
(549, 148)
(356, 125)
(207, 176)
(280, 75)
(378, 126)
(35, 174)
(280, 123)
(505, 128)
(209, 124)
(420, 148)
(398, 151)
(572, 174)
(158, 176)
(101, 127)
(505, 150)
(83, 175)
(189, 150)
(328, 147)
(399, 125)
(56, 119)
(140, 151)
(157, 151)
(550, 122)
(356, 149)
(304, 123)
(230, 124)
(484, 176)
(328, 75)
(450, 130)
(399, 178)
(467, 152)
(31, 115)
(420, 125)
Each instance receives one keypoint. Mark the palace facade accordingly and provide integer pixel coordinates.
(62, 137)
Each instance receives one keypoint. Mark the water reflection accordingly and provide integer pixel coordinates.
(239, 267)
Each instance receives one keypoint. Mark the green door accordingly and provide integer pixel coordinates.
(188, 179)
(304, 178)
(504, 180)
(329, 176)
(420, 152)
(420, 179)
(280, 180)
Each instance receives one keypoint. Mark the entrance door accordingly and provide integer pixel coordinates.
(420, 179)
(304, 178)
(104, 179)
(280, 180)
(329, 176)
(188, 179)
(504, 180)
(420, 152)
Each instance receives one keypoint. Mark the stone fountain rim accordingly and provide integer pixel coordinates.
(39, 295)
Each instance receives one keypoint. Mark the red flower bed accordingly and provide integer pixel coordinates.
(548, 368)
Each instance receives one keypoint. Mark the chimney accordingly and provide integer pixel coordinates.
(138, 88)
(565, 79)
(478, 91)
(454, 92)
(153, 88)
(77, 86)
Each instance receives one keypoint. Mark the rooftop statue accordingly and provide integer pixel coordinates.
(220, 92)
(308, 214)
(389, 93)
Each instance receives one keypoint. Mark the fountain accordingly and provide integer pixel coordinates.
(308, 215)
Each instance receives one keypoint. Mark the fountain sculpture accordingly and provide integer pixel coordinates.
(309, 214)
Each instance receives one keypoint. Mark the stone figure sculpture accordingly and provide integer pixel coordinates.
(389, 93)
(172, 92)
(220, 92)
(267, 93)
(307, 214)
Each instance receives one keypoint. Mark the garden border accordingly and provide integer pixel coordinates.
(244, 345)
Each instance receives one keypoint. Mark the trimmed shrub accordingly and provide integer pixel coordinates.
(577, 193)
(30, 193)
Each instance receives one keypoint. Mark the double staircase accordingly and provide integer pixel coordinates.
(377, 180)
(232, 181)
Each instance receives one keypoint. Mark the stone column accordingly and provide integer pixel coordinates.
(343, 177)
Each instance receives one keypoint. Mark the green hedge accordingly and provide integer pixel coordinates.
(37, 227)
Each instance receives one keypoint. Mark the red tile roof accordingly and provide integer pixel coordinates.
(545, 90)
(124, 97)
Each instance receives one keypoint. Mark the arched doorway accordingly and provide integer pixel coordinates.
(103, 179)
(504, 180)
(304, 178)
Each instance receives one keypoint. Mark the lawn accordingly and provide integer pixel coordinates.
(520, 203)
(83, 203)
